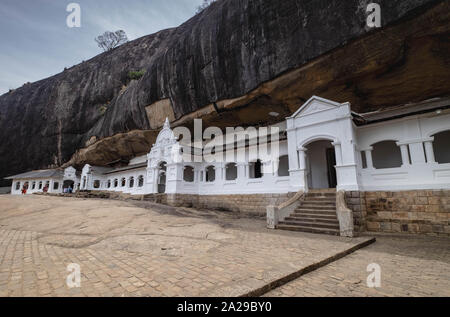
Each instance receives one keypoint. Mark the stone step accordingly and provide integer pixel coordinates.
(323, 191)
(320, 200)
(319, 203)
(320, 195)
(310, 224)
(329, 212)
(318, 206)
(313, 219)
(309, 229)
(315, 216)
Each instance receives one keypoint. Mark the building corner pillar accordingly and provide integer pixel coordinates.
(429, 151)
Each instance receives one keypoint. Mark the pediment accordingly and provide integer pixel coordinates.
(314, 105)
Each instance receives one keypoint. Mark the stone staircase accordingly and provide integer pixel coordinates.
(316, 214)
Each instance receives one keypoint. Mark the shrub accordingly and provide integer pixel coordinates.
(102, 109)
(136, 75)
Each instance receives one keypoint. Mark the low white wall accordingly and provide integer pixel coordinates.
(419, 170)
(36, 189)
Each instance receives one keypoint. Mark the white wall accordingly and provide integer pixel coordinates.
(416, 134)
(320, 121)
(30, 190)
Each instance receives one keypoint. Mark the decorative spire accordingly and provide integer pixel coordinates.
(167, 124)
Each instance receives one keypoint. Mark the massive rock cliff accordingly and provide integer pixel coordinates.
(230, 65)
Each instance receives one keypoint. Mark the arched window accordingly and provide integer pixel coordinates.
(131, 182)
(18, 186)
(109, 184)
(283, 166)
(96, 184)
(441, 146)
(255, 169)
(162, 178)
(386, 154)
(33, 185)
(231, 172)
(123, 182)
(116, 183)
(188, 174)
(40, 185)
(210, 174)
(55, 186)
(141, 181)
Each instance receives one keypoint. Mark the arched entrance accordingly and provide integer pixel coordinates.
(321, 165)
(162, 170)
(68, 184)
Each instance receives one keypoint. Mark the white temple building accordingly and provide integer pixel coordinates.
(322, 145)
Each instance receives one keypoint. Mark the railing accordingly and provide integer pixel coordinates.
(275, 214)
(344, 214)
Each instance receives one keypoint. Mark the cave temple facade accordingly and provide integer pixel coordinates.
(323, 145)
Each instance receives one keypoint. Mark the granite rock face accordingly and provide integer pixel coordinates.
(232, 64)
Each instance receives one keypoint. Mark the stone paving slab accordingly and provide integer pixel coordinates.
(410, 266)
(140, 249)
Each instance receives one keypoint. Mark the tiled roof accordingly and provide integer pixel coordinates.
(402, 111)
(127, 168)
(56, 173)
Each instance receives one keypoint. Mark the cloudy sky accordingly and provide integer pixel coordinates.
(36, 42)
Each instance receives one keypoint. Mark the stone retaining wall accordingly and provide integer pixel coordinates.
(420, 211)
(356, 201)
(251, 205)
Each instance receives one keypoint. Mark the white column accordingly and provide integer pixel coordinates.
(155, 174)
(302, 158)
(338, 150)
(295, 161)
(221, 172)
(369, 160)
(405, 155)
(242, 171)
(267, 168)
(292, 146)
(429, 150)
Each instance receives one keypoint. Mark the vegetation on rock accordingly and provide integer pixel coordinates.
(110, 40)
(136, 75)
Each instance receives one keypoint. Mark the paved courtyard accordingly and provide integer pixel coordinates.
(143, 249)
(410, 266)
